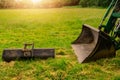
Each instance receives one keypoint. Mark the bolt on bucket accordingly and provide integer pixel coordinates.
(93, 44)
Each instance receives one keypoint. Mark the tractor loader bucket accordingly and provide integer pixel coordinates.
(93, 44)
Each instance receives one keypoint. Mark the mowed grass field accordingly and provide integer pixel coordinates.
(52, 28)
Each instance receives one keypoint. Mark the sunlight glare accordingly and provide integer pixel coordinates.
(35, 1)
(18, 0)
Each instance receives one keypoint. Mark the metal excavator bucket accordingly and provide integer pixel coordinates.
(93, 44)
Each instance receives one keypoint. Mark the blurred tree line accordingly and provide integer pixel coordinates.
(52, 3)
(100, 3)
(42, 3)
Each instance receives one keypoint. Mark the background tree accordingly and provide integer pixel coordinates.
(99, 3)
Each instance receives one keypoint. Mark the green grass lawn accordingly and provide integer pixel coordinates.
(52, 28)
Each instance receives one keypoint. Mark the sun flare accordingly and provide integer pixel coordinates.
(35, 1)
